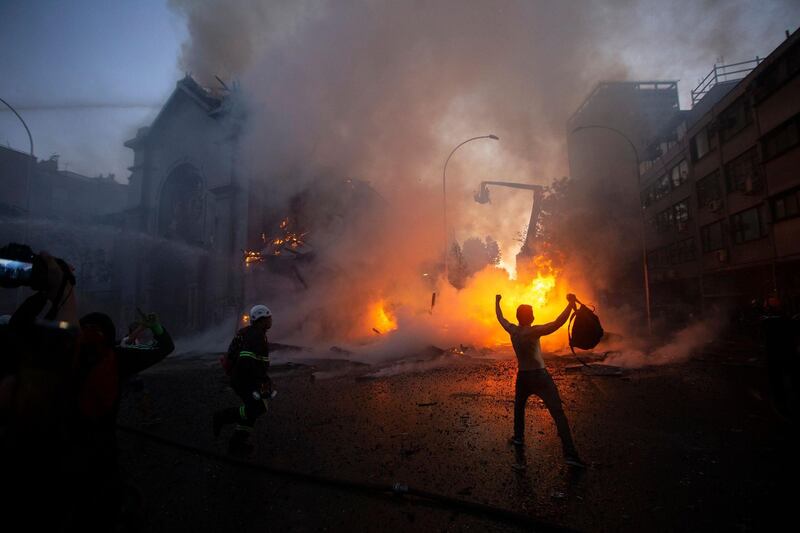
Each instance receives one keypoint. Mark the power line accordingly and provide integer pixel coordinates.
(77, 106)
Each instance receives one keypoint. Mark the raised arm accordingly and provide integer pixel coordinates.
(547, 329)
(134, 359)
(508, 326)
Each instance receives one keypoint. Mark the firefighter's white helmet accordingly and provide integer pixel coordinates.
(259, 311)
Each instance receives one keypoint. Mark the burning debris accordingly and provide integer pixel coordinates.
(287, 239)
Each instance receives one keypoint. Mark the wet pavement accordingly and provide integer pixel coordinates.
(686, 447)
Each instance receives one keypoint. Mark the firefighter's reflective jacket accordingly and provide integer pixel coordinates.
(250, 368)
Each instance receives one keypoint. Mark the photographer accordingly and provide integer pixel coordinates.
(36, 384)
(59, 398)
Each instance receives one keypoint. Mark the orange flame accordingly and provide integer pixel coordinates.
(252, 256)
(379, 319)
(288, 239)
(545, 292)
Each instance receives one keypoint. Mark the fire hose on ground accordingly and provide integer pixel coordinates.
(373, 489)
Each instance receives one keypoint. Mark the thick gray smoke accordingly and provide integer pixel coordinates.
(382, 91)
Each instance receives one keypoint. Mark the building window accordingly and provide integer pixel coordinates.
(744, 174)
(712, 237)
(681, 215)
(703, 143)
(648, 196)
(686, 250)
(748, 225)
(734, 119)
(679, 174)
(664, 220)
(659, 257)
(782, 138)
(676, 217)
(681, 251)
(661, 187)
(778, 73)
(786, 205)
(708, 189)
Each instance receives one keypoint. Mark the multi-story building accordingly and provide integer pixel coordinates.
(605, 138)
(67, 214)
(55, 193)
(722, 199)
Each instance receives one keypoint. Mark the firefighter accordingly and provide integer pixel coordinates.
(248, 362)
(533, 377)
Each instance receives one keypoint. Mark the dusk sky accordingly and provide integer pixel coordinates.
(86, 74)
(62, 58)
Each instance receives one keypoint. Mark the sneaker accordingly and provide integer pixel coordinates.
(217, 424)
(573, 460)
(519, 467)
(514, 441)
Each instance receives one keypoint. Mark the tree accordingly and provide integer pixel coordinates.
(457, 273)
(479, 254)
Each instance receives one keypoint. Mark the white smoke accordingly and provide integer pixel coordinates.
(383, 90)
(680, 347)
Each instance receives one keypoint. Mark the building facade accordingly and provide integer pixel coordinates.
(606, 138)
(67, 214)
(187, 211)
(721, 201)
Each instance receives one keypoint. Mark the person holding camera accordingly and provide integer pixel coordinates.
(533, 377)
(59, 397)
(247, 362)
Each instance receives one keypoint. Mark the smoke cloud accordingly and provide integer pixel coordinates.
(680, 347)
(382, 91)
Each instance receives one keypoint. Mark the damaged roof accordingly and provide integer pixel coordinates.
(206, 99)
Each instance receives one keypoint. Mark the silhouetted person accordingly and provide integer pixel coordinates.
(59, 400)
(533, 377)
(780, 347)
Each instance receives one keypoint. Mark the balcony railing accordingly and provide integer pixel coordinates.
(723, 73)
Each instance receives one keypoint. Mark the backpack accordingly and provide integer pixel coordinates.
(584, 329)
(228, 360)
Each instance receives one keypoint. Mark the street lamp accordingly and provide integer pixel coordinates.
(30, 165)
(644, 246)
(444, 191)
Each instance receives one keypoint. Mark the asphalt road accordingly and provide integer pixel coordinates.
(689, 447)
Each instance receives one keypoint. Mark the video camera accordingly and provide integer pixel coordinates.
(19, 266)
(26, 341)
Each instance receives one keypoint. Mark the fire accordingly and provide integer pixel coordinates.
(468, 316)
(545, 292)
(287, 239)
(540, 288)
(252, 256)
(379, 319)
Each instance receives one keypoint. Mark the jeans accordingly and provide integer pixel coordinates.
(540, 383)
